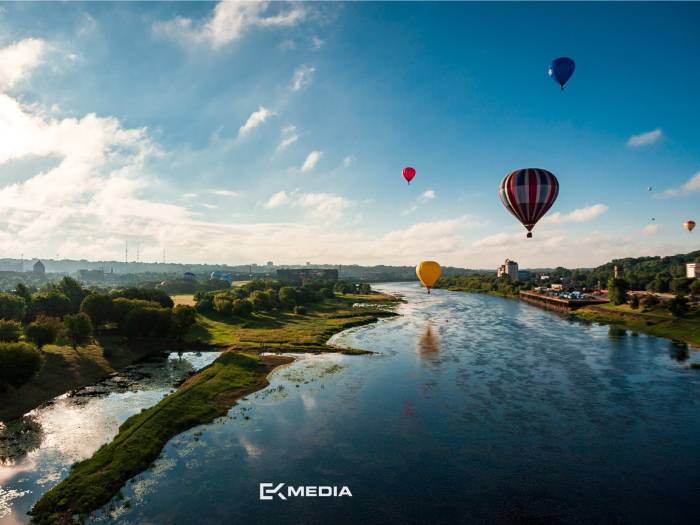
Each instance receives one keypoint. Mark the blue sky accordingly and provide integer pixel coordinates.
(277, 131)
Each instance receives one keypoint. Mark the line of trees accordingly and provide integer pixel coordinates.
(482, 283)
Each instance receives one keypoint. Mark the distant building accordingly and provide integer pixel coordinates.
(618, 272)
(508, 269)
(91, 275)
(39, 269)
(692, 270)
(303, 275)
(557, 287)
(221, 276)
(189, 276)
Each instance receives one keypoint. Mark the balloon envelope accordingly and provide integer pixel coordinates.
(409, 173)
(689, 225)
(561, 70)
(528, 194)
(428, 272)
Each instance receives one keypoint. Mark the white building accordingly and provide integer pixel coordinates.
(509, 269)
(692, 270)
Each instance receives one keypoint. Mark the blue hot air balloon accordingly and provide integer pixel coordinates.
(561, 70)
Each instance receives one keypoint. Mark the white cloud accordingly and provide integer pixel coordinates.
(424, 197)
(256, 118)
(229, 21)
(278, 199)
(427, 195)
(18, 60)
(650, 229)
(324, 205)
(288, 137)
(644, 139)
(208, 206)
(580, 215)
(348, 161)
(225, 193)
(189, 195)
(316, 43)
(691, 186)
(303, 76)
(311, 160)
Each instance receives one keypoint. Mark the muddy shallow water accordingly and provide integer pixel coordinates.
(37, 450)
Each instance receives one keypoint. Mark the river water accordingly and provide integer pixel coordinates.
(474, 409)
(36, 451)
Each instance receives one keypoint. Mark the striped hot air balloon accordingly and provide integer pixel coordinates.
(528, 194)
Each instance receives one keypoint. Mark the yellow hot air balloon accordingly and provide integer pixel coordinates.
(428, 272)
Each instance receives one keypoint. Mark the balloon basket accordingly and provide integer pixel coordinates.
(529, 235)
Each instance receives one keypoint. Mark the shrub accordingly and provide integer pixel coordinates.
(634, 302)
(242, 307)
(364, 288)
(695, 287)
(343, 287)
(19, 362)
(183, 317)
(678, 306)
(650, 301)
(43, 331)
(52, 303)
(99, 308)
(300, 310)
(222, 304)
(10, 331)
(204, 303)
(12, 307)
(78, 329)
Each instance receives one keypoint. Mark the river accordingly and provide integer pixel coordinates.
(474, 409)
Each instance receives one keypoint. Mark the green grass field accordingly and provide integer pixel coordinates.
(657, 322)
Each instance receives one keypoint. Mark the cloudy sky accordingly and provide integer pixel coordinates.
(246, 132)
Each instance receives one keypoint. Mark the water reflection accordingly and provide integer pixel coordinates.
(678, 351)
(37, 450)
(429, 342)
(616, 332)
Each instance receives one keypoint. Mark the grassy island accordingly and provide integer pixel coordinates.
(209, 394)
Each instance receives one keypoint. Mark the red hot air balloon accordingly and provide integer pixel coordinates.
(689, 225)
(528, 194)
(409, 173)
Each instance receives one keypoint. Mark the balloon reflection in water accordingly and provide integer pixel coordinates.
(429, 342)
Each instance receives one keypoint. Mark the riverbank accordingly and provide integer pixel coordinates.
(655, 322)
(205, 396)
(66, 369)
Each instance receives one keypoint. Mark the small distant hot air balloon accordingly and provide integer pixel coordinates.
(528, 194)
(648, 188)
(689, 225)
(409, 173)
(561, 70)
(428, 272)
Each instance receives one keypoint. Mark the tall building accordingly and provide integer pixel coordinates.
(692, 270)
(508, 269)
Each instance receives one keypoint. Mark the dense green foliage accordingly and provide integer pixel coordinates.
(183, 318)
(78, 329)
(43, 330)
(145, 294)
(10, 331)
(482, 283)
(99, 308)
(12, 307)
(617, 290)
(19, 362)
(266, 296)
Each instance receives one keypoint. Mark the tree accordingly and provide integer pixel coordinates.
(300, 310)
(10, 331)
(12, 307)
(52, 303)
(364, 288)
(78, 329)
(184, 317)
(634, 302)
(241, 307)
(99, 308)
(145, 294)
(695, 287)
(74, 291)
(343, 287)
(678, 306)
(259, 300)
(327, 293)
(288, 297)
(43, 331)
(617, 291)
(22, 291)
(680, 286)
(19, 362)
(222, 304)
